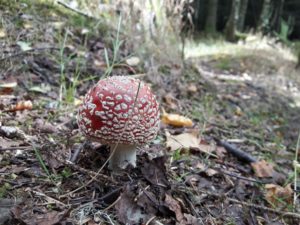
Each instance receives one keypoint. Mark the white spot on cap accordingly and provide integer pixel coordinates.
(118, 107)
(110, 103)
(127, 98)
(119, 97)
(124, 105)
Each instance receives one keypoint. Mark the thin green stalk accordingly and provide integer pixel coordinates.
(41, 161)
(62, 68)
(296, 166)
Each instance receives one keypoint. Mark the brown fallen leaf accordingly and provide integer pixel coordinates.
(127, 210)
(8, 85)
(6, 205)
(176, 120)
(189, 220)
(208, 171)
(155, 171)
(182, 141)
(192, 88)
(22, 105)
(24, 214)
(263, 169)
(171, 101)
(174, 206)
(221, 152)
(279, 196)
(207, 148)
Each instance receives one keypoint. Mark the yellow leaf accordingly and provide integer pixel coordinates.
(2, 33)
(176, 120)
(77, 101)
(27, 25)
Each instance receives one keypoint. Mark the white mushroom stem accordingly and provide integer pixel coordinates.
(123, 156)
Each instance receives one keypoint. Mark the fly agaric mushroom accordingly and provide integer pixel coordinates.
(123, 113)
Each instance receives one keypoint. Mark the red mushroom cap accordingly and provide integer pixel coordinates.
(110, 106)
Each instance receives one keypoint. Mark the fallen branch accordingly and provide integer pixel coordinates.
(247, 204)
(27, 51)
(241, 155)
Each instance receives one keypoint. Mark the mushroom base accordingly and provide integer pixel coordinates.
(123, 156)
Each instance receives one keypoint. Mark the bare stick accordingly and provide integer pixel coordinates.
(241, 155)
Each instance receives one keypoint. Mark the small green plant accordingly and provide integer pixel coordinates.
(204, 109)
(71, 88)
(67, 90)
(286, 28)
(117, 43)
(176, 154)
(41, 161)
(66, 173)
(62, 63)
(224, 63)
(3, 189)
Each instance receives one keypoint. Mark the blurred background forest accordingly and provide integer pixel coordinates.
(232, 20)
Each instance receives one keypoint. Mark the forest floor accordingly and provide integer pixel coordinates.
(246, 103)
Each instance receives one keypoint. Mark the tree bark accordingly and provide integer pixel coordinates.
(277, 16)
(211, 18)
(242, 16)
(266, 13)
(231, 25)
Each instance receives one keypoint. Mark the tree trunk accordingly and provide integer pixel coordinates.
(266, 13)
(211, 18)
(277, 16)
(231, 24)
(242, 16)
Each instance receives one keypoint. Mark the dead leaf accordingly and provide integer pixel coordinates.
(176, 120)
(25, 46)
(133, 61)
(148, 201)
(43, 88)
(27, 25)
(12, 84)
(2, 33)
(171, 101)
(192, 88)
(77, 101)
(208, 171)
(182, 141)
(22, 105)
(278, 195)
(211, 172)
(220, 152)
(5, 206)
(207, 148)
(25, 214)
(189, 220)
(4, 143)
(155, 171)
(128, 212)
(238, 111)
(44, 126)
(7, 86)
(174, 206)
(57, 25)
(263, 169)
